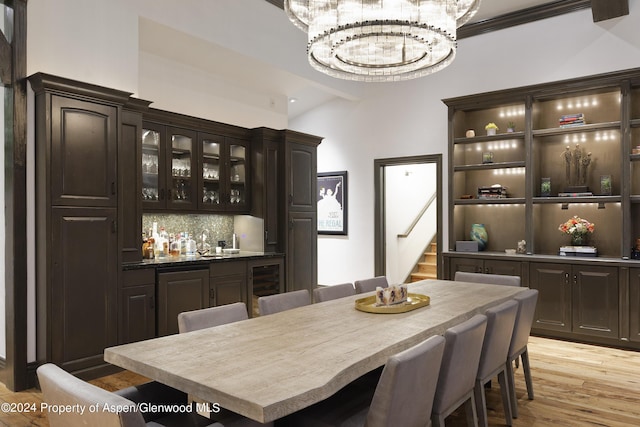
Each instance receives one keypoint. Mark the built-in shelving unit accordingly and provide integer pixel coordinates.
(521, 160)
(591, 299)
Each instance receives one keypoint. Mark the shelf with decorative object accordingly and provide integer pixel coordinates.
(579, 141)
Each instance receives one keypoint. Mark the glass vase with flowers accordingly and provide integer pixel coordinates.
(579, 230)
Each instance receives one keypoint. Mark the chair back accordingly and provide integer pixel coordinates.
(61, 388)
(213, 316)
(404, 394)
(490, 279)
(370, 285)
(527, 301)
(276, 303)
(497, 337)
(326, 293)
(460, 362)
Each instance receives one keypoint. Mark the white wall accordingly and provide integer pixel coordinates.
(408, 188)
(98, 42)
(408, 118)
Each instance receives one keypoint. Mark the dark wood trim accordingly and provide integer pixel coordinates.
(184, 121)
(608, 9)
(544, 90)
(5, 60)
(379, 211)
(42, 81)
(519, 17)
(279, 3)
(16, 374)
(523, 16)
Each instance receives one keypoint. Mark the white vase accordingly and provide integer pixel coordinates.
(491, 131)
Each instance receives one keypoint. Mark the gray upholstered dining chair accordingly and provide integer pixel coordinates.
(458, 370)
(527, 301)
(276, 303)
(208, 318)
(403, 395)
(213, 316)
(370, 285)
(327, 293)
(497, 338)
(62, 388)
(490, 279)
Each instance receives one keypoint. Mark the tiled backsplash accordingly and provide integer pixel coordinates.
(219, 227)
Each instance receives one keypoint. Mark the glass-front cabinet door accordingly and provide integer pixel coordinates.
(238, 195)
(212, 162)
(223, 173)
(168, 164)
(152, 160)
(181, 164)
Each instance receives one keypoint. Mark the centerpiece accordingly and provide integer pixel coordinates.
(579, 230)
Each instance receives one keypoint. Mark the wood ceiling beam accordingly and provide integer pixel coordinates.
(607, 9)
(523, 16)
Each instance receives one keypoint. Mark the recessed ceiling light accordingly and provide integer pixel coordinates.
(292, 100)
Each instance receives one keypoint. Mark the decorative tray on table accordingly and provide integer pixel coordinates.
(413, 302)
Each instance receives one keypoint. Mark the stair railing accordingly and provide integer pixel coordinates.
(419, 216)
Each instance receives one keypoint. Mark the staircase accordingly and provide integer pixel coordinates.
(428, 267)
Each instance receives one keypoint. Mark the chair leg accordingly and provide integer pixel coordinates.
(506, 400)
(512, 389)
(527, 373)
(481, 403)
(470, 409)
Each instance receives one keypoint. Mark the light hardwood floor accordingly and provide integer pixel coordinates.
(574, 384)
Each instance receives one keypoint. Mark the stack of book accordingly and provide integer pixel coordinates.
(579, 251)
(570, 120)
(493, 192)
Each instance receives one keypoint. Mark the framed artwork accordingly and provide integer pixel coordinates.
(332, 203)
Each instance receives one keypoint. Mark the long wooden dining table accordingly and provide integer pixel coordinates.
(268, 367)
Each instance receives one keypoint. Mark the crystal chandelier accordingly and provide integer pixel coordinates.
(380, 40)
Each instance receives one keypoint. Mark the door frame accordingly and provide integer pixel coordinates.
(380, 258)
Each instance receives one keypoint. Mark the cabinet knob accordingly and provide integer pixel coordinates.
(113, 188)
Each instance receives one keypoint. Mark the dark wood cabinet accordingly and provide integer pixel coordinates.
(595, 305)
(228, 282)
(580, 299)
(83, 150)
(77, 137)
(194, 165)
(553, 282)
(302, 251)
(137, 305)
(486, 266)
(130, 186)
(285, 197)
(168, 165)
(83, 298)
(301, 211)
(634, 304)
(268, 179)
(223, 173)
(177, 292)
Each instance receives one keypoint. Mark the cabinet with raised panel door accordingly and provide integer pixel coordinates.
(580, 299)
